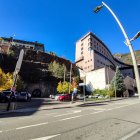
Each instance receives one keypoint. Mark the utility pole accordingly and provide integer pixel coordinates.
(115, 82)
(70, 77)
(64, 73)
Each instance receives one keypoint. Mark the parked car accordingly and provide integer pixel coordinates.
(136, 95)
(57, 96)
(100, 97)
(64, 97)
(80, 96)
(23, 96)
(5, 96)
(52, 96)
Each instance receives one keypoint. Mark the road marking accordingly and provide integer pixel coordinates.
(70, 118)
(25, 118)
(99, 109)
(96, 112)
(50, 113)
(76, 111)
(46, 138)
(130, 135)
(28, 126)
(0, 131)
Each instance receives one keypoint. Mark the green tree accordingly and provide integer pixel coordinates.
(57, 70)
(19, 83)
(117, 83)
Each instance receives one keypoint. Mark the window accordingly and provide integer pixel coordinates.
(82, 52)
(91, 59)
(82, 44)
(81, 48)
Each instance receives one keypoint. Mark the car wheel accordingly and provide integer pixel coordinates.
(36, 93)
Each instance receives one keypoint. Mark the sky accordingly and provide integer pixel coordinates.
(58, 24)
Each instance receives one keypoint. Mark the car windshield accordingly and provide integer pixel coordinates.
(7, 92)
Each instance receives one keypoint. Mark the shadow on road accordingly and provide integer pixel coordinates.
(91, 104)
(29, 107)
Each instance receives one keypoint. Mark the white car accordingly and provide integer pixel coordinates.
(136, 95)
(100, 97)
(80, 96)
(52, 96)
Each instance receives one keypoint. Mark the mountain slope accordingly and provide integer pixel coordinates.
(126, 58)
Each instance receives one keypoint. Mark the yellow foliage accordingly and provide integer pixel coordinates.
(63, 87)
(6, 80)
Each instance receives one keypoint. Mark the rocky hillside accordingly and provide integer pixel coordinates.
(126, 58)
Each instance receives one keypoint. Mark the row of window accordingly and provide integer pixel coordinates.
(88, 67)
(88, 60)
(98, 48)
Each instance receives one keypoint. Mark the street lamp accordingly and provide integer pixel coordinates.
(128, 43)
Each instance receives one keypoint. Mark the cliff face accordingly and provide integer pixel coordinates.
(126, 58)
(34, 66)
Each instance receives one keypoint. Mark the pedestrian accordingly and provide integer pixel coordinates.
(74, 93)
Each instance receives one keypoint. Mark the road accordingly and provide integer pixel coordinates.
(103, 121)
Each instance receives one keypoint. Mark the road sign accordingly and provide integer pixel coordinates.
(81, 84)
(19, 62)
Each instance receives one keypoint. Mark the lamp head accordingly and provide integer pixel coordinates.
(98, 8)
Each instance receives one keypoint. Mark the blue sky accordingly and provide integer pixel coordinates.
(60, 23)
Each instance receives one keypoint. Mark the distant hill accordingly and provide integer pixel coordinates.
(126, 58)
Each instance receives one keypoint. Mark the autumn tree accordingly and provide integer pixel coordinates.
(63, 87)
(6, 80)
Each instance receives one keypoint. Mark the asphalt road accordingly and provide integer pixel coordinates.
(105, 121)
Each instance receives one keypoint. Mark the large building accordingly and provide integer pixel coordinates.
(94, 58)
(6, 43)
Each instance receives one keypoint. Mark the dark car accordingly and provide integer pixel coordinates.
(6, 95)
(23, 96)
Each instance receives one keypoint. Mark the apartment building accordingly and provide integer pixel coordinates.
(6, 43)
(94, 58)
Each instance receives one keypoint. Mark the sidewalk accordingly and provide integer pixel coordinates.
(58, 106)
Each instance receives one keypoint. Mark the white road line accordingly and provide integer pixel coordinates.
(25, 118)
(0, 131)
(76, 111)
(28, 126)
(51, 114)
(97, 112)
(99, 109)
(70, 118)
(63, 114)
(46, 138)
(130, 135)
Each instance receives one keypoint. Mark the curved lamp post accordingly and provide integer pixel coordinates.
(127, 42)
